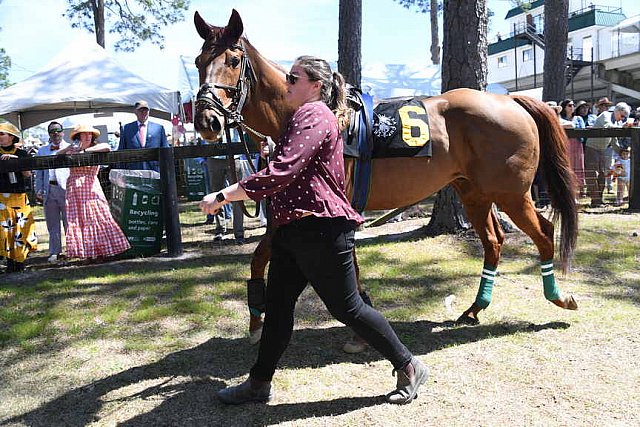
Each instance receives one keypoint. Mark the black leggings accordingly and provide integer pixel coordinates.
(318, 251)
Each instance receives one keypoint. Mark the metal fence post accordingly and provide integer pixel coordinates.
(170, 201)
(634, 187)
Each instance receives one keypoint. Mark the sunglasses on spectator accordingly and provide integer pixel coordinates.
(571, 105)
(55, 130)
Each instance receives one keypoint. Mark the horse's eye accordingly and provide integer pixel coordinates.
(235, 61)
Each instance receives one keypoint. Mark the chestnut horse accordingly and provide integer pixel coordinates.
(487, 146)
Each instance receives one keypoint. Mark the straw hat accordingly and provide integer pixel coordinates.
(84, 128)
(604, 101)
(7, 127)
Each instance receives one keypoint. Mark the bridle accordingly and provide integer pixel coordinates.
(208, 99)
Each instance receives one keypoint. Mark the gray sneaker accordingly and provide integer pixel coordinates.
(245, 393)
(407, 388)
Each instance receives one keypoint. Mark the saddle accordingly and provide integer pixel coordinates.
(398, 128)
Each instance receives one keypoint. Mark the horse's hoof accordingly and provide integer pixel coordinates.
(566, 302)
(255, 336)
(355, 345)
(466, 319)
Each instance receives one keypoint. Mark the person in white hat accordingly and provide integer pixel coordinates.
(18, 231)
(92, 233)
(142, 134)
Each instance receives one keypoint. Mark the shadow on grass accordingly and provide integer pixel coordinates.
(185, 381)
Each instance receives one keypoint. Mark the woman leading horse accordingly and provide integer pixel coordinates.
(487, 146)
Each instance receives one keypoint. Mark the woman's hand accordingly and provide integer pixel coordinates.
(8, 157)
(210, 205)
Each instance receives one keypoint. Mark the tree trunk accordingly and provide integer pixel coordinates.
(464, 45)
(435, 39)
(98, 20)
(350, 41)
(556, 26)
(464, 64)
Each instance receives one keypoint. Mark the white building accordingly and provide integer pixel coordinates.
(603, 52)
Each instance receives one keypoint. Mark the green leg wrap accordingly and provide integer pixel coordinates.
(483, 299)
(551, 291)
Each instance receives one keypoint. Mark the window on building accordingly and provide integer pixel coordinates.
(527, 55)
(502, 61)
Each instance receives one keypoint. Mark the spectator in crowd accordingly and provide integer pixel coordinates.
(51, 187)
(602, 105)
(142, 134)
(574, 147)
(219, 171)
(92, 233)
(622, 172)
(597, 164)
(583, 109)
(18, 230)
(314, 240)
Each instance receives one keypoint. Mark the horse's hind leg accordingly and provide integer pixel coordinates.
(524, 215)
(490, 232)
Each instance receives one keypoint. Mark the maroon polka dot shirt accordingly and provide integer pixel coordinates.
(306, 174)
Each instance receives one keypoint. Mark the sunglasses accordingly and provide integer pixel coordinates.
(55, 131)
(291, 78)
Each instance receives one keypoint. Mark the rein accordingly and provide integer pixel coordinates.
(207, 99)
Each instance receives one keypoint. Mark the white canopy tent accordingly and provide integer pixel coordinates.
(83, 78)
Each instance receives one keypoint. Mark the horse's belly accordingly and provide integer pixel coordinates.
(398, 182)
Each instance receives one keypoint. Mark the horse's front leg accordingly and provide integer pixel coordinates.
(256, 286)
(487, 226)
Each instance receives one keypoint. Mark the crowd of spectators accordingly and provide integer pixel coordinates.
(598, 163)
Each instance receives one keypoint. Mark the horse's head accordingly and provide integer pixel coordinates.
(221, 64)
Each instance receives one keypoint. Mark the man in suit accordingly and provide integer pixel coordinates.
(142, 134)
(51, 187)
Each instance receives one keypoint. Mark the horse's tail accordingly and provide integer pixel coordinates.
(557, 173)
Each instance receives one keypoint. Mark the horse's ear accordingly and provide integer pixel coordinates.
(234, 29)
(204, 29)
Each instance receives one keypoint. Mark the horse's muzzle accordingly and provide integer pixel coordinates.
(208, 124)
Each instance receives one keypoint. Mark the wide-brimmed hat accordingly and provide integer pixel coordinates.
(581, 103)
(141, 104)
(9, 128)
(554, 106)
(604, 101)
(84, 128)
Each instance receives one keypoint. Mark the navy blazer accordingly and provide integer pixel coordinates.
(156, 138)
